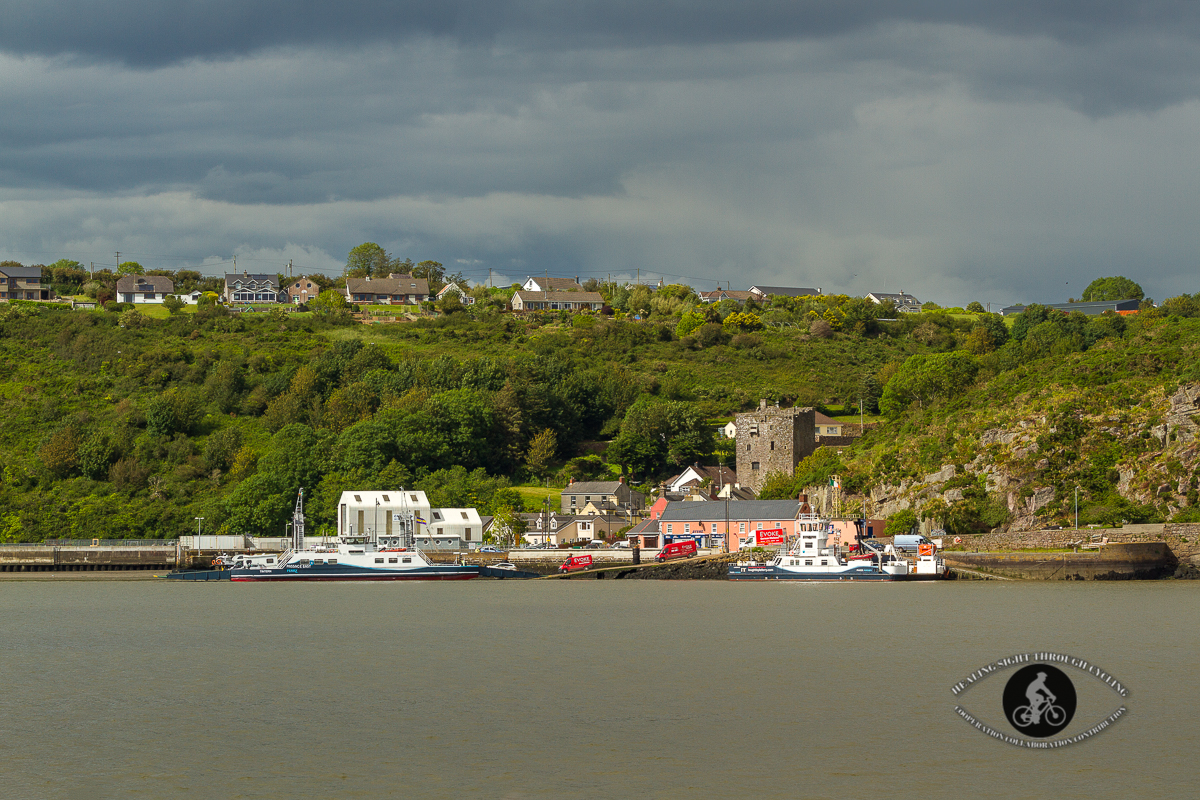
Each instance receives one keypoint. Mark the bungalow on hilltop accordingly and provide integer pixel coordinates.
(393, 290)
(905, 303)
(763, 292)
(1091, 309)
(718, 295)
(144, 289)
(543, 284)
(557, 301)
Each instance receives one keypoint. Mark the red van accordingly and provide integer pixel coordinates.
(575, 562)
(685, 549)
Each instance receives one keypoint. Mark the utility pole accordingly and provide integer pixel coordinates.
(1077, 507)
(289, 268)
(489, 277)
(118, 260)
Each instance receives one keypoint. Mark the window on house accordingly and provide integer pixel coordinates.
(467, 534)
(464, 514)
(687, 527)
(668, 527)
(357, 499)
(760, 526)
(386, 499)
(412, 497)
(753, 465)
(741, 527)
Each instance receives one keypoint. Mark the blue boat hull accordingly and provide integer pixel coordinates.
(338, 572)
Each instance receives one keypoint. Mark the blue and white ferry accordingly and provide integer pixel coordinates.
(809, 558)
(351, 557)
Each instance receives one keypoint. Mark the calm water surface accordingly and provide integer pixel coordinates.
(600, 689)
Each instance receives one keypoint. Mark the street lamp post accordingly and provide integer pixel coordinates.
(1076, 506)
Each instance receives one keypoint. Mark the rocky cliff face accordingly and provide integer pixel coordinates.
(1148, 454)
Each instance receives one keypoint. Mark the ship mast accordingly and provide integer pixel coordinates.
(298, 522)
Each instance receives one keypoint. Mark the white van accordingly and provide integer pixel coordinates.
(909, 542)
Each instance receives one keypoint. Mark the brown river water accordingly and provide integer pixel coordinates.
(548, 689)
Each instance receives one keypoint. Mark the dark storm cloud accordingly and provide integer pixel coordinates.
(150, 32)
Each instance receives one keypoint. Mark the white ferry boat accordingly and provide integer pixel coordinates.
(351, 557)
(810, 558)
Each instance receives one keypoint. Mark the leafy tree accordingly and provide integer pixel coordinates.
(743, 321)
(368, 259)
(173, 304)
(507, 527)
(96, 455)
(1115, 288)
(922, 379)
(329, 301)
(432, 271)
(60, 454)
(541, 453)
(656, 433)
(976, 307)
(130, 268)
(902, 522)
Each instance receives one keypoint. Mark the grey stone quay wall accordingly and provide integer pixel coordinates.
(1182, 538)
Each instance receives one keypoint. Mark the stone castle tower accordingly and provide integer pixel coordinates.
(772, 440)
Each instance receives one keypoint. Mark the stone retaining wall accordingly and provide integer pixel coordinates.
(1182, 538)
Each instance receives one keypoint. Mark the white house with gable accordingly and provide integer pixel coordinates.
(374, 513)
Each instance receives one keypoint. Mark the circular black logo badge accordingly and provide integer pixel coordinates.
(1039, 700)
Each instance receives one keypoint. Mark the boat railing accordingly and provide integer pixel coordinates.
(284, 556)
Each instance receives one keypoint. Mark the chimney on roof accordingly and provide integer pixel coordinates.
(571, 481)
(621, 479)
(762, 404)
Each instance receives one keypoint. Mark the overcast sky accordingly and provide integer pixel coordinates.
(993, 151)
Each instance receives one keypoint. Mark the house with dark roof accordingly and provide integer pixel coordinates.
(604, 495)
(144, 288)
(763, 292)
(544, 284)
(557, 301)
(718, 295)
(905, 303)
(395, 289)
(1091, 309)
(251, 288)
(22, 283)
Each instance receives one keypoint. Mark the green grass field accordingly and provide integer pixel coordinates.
(534, 496)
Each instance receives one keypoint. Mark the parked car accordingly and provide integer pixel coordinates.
(685, 549)
(503, 565)
(487, 548)
(595, 543)
(621, 545)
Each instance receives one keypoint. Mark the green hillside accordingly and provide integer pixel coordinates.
(123, 425)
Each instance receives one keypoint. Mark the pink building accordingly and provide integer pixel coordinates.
(845, 530)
